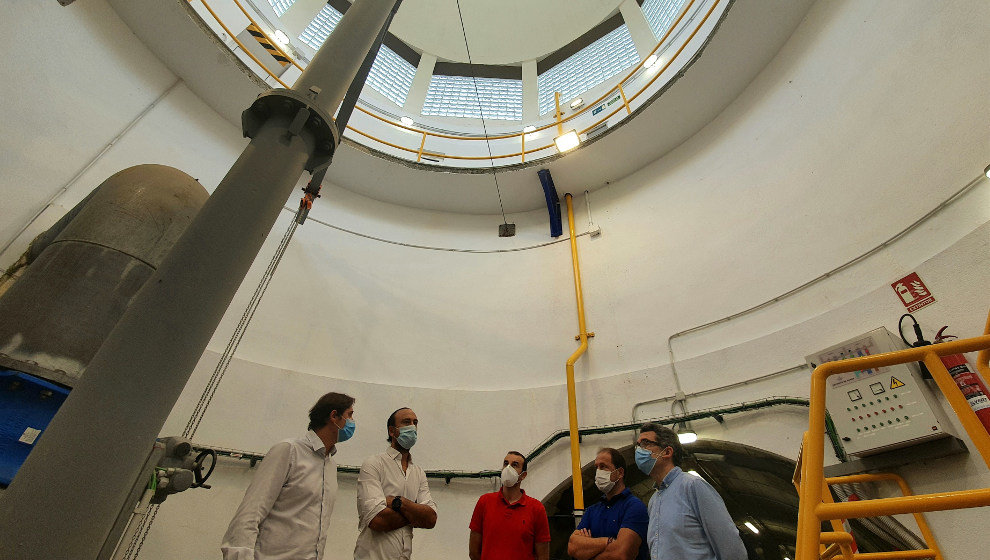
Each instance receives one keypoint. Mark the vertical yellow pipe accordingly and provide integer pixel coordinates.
(583, 335)
(560, 126)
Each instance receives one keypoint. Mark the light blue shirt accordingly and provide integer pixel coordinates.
(688, 521)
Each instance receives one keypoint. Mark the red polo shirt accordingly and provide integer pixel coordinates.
(509, 532)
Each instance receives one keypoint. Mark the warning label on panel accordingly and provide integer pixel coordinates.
(913, 292)
(896, 383)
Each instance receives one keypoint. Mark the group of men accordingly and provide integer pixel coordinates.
(285, 513)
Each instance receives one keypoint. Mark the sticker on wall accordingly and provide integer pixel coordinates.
(912, 292)
(896, 383)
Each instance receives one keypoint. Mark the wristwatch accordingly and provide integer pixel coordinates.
(396, 503)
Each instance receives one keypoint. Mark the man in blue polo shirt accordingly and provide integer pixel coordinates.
(614, 528)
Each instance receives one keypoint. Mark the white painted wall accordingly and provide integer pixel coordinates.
(62, 110)
(870, 116)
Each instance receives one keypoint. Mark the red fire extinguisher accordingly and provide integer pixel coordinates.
(845, 523)
(972, 386)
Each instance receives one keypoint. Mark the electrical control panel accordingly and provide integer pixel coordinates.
(880, 409)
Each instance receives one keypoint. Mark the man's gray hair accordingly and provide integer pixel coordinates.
(666, 438)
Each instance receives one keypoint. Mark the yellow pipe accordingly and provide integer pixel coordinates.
(560, 126)
(578, 487)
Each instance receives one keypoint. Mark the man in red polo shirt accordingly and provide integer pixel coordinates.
(508, 524)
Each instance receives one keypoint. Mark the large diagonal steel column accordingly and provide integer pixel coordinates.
(66, 496)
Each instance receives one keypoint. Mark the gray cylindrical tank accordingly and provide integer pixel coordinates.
(54, 318)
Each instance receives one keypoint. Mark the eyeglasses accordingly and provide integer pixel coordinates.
(647, 444)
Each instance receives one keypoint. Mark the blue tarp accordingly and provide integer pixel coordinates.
(26, 402)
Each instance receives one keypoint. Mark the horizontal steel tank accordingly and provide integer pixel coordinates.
(84, 271)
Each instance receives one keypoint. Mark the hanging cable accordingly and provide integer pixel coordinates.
(481, 111)
(235, 340)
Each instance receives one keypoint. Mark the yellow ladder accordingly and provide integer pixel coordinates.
(816, 504)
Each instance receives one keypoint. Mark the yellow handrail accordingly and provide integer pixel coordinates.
(558, 121)
(926, 531)
(273, 43)
(241, 45)
(812, 510)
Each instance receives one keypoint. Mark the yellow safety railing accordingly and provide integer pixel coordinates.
(559, 119)
(932, 551)
(815, 499)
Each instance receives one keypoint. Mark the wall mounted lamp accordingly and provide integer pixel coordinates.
(567, 141)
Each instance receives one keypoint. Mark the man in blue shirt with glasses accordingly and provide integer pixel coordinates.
(688, 519)
(614, 528)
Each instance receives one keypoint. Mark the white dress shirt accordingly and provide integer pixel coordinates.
(381, 475)
(286, 510)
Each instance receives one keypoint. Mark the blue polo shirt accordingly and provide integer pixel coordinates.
(623, 511)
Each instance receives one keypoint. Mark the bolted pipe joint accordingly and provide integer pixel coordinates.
(302, 114)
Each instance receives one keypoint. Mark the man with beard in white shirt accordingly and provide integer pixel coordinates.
(286, 510)
(393, 495)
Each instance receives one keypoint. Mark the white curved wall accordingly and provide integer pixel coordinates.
(871, 115)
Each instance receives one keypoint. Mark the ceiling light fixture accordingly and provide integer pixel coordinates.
(695, 473)
(650, 61)
(577, 103)
(567, 141)
(687, 437)
(529, 128)
(752, 528)
(987, 172)
(406, 120)
(281, 38)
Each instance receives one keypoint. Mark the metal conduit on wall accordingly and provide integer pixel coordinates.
(449, 474)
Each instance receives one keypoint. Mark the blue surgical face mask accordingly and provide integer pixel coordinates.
(407, 437)
(347, 432)
(645, 461)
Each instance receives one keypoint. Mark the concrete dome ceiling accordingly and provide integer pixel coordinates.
(748, 35)
(498, 31)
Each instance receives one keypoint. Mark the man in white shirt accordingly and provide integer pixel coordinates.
(393, 495)
(286, 510)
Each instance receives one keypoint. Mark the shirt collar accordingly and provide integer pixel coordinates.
(394, 453)
(520, 502)
(671, 477)
(620, 496)
(317, 444)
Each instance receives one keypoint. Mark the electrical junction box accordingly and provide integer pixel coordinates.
(877, 410)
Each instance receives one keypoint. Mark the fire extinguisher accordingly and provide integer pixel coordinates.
(972, 386)
(847, 526)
